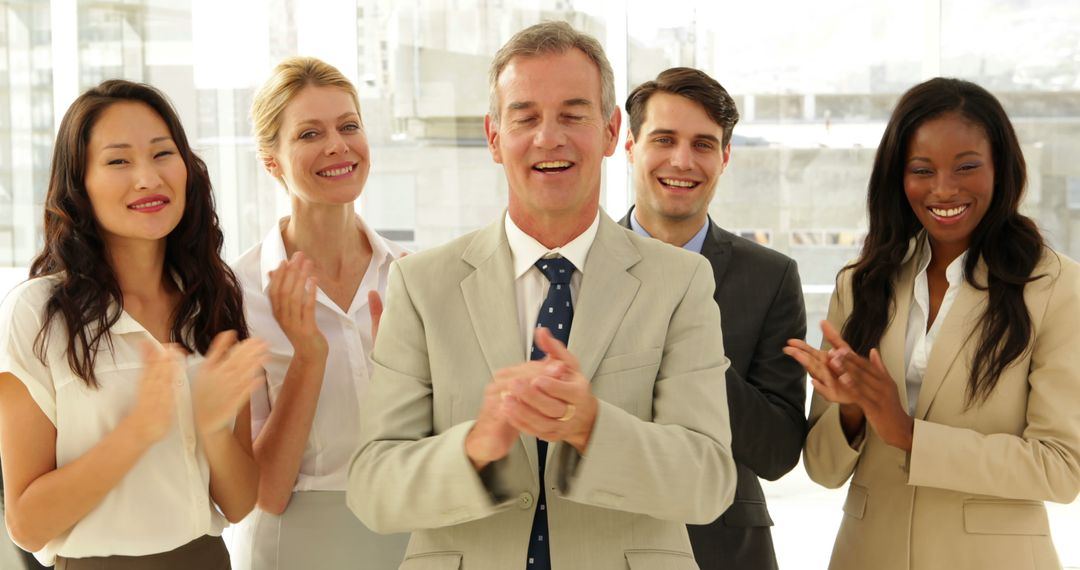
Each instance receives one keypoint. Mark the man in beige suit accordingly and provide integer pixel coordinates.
(458, 420)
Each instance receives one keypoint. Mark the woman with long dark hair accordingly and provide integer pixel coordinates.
(124, 373)
(948, 386)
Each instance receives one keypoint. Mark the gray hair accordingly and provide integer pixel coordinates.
(552, 38)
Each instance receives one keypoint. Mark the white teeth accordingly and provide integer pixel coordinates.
(678, 183)
(147, 205)
(336, 171)
(943, 213)
(553, 164)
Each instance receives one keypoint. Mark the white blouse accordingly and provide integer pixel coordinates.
(918, 342)
(335, 431)
(164, 501)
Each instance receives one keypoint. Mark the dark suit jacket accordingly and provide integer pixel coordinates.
(761, 306)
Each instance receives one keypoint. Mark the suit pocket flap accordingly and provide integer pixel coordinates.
(855, 504)
(629, 361)
(1005, 517)
(660, 560)
(746, 514)
(432, 561)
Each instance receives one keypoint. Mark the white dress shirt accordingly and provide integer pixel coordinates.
(530, 284)
(163, 502)
(335, 430)
(919, 341)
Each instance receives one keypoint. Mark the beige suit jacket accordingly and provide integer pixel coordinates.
(647, 334)
(970, 494)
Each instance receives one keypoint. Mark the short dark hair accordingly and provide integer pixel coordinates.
(693, 84)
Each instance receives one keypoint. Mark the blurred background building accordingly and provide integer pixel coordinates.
(814, 82)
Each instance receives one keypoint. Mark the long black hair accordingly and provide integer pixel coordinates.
(87, 296)
(1009, 243)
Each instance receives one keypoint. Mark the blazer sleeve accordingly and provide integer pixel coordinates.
(404, 476)
(1043, 462)
(678, 466)
(767, 422)
(828, 457)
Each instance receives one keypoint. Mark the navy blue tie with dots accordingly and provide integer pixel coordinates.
(555, 315)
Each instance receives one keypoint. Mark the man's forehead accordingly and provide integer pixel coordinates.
(571, 60)
(528, 80)
(524, 104)
(676, 107)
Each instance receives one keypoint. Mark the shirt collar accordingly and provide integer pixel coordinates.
(127, 323)
(272, 253)
(695, 244)
(954, 273)
(525, 250)
(273, 249)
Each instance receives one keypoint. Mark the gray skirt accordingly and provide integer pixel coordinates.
(317, 530)
(204, 553)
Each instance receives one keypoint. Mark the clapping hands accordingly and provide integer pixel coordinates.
(862, 386)
(292, 298)
(228, 375)
(549, 399)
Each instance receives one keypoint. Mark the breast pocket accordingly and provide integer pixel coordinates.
(432, 561)
(627, 380)
(89, 412)
(659, 560)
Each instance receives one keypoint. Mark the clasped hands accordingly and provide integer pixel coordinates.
(861, 386)
(549, 399)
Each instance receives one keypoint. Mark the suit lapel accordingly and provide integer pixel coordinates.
(717, 249)
(607, 289)
(894, 341)
(956, 330)
(491, 299)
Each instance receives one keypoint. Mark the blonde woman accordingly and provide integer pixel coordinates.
(306, 291)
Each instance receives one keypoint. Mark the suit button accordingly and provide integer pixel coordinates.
(525, 500)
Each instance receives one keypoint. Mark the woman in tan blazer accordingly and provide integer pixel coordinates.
(951, 394)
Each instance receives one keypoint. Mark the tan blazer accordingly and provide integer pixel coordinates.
(970, 494)
(647, 333)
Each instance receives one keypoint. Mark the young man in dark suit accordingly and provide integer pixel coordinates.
(679, 144)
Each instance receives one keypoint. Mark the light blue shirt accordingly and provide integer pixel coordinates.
(693, 245)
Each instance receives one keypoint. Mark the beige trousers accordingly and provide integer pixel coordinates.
(317, 530)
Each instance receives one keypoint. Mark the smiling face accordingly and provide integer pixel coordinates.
(552, 137)
(949, 181)
(677, 159)
(135, 178)
(322, 153)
